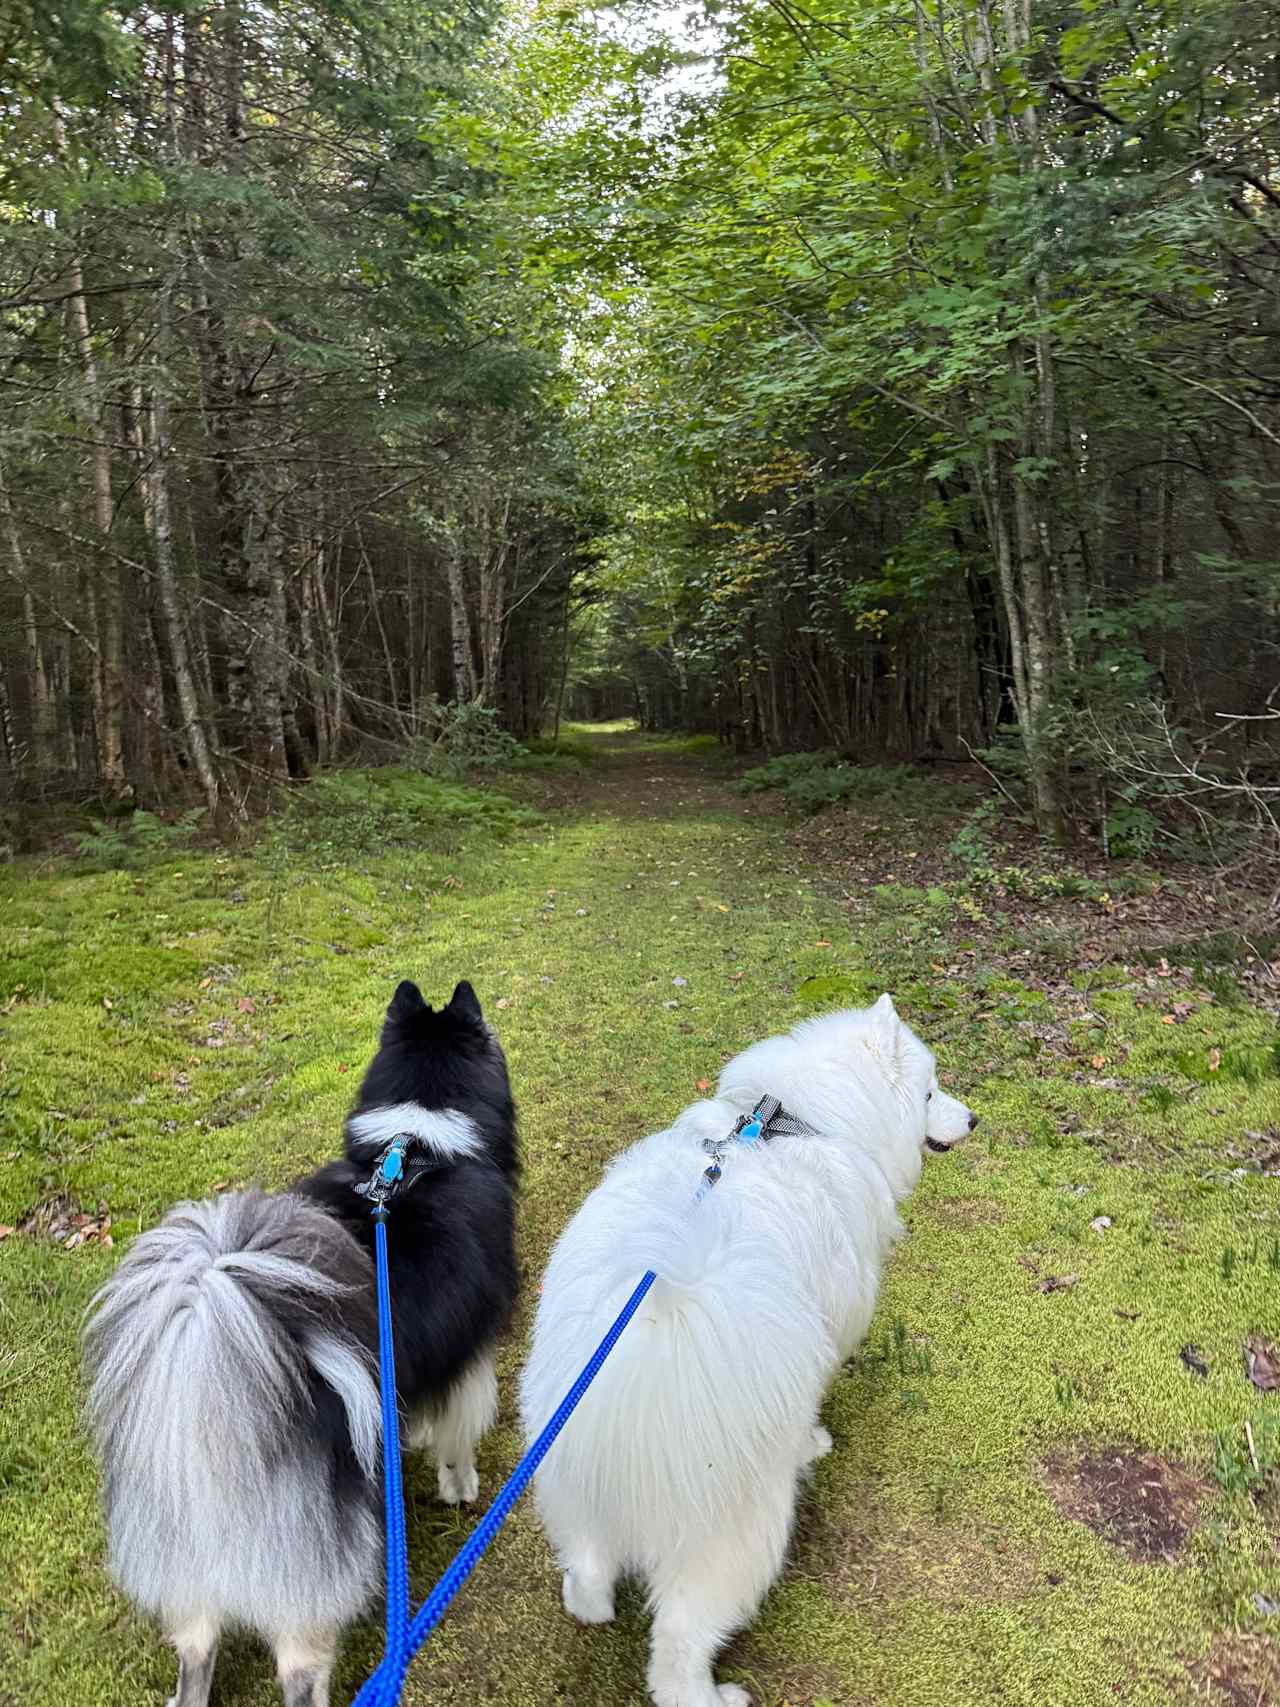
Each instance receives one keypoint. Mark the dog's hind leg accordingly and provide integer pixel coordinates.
(708, 1591)
(468, 1410)
(304, 1661)
(197, 1643)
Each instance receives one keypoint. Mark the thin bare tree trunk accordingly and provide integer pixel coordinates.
(103, 593)
(44, 718)
(464, 676)
(154, 426)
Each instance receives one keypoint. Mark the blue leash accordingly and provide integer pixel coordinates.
(395, 1657)
(382, 1688)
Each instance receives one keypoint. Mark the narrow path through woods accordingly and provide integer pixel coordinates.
(1022, 1505)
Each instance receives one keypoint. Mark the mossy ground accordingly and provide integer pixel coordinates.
(200, 1022)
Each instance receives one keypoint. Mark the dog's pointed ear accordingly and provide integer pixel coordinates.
(406, 1002)
(887, 1025)
(465, 1002)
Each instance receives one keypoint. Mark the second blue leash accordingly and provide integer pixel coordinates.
(383, 1688)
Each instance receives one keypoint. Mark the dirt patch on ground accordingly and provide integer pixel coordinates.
(968, 1211)
(1239, 1670)
(1141, 1503)
(870, 1553)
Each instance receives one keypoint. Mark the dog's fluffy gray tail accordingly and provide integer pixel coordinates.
(233, 1402)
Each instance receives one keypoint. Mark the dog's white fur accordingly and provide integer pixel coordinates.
(681, 1463)
(448, 1132)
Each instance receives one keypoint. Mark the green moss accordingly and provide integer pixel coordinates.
(930, 1560)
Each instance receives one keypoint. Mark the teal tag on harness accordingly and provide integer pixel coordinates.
(750, 1132)
(392, 1165)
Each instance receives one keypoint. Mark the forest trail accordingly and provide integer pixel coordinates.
(1024, 1504)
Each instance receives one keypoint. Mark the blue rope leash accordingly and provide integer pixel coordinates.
(374, 1693)
(382, 1688)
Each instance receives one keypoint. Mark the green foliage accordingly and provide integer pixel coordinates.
(465, 738)
(349, 815)
(1131, 830)
(972, 845)
(142, 837)
(813, 781)
(1239, 1467)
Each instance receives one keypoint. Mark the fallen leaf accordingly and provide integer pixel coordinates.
(1059, 1283)
(503, 1002)
(247, 1005)
(1100, 1223)
(720, 907)
(205, 983)
(107, 1002)
(1029, 1263)
(1167, 1019)
(703, 1085)
(1215, 1060)
(736, 977)
(1262, 1361)
(822, 943)
(5, 1232)
(342, 1066)
(1194, 1359)
(1129, 1315)
(1099, 1061)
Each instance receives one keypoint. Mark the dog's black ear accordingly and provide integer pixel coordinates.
(406, 1002)
(464, 1001)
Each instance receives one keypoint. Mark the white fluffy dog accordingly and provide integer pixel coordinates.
(681, 1463)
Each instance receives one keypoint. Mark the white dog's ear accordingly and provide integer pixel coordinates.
(886, 1025)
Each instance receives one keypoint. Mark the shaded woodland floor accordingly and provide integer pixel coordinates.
(1042, 1491)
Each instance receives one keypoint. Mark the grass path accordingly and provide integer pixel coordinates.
(169, 1031)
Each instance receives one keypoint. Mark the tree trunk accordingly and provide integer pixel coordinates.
(154, 428)
(464, 677)
(103, 593)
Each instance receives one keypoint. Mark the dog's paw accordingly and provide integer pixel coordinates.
(589, 1603)
(820, 1443)
(732, 1695)
(459, 1483)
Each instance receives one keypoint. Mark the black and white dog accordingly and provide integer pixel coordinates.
(232, 1360)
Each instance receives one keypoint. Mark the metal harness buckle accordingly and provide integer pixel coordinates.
(387, 1176)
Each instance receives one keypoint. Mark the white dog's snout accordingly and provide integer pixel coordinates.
(948, 1120)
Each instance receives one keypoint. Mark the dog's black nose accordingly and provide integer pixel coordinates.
(973, 1121)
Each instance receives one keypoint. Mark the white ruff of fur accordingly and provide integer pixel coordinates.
(682, 1462)
(444, 1130)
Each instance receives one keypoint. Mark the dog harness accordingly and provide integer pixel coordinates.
(767, 1120)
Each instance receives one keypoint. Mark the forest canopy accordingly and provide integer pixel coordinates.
(900, 381)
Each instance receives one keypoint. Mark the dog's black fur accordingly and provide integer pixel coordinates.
(451, 1235)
